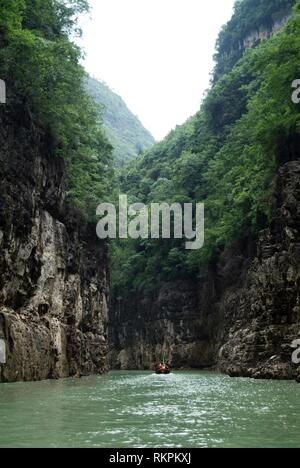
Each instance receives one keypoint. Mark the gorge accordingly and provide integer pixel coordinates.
(240, 315)
(72, 305)
(239, 311)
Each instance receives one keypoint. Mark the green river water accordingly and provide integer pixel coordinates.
(140, 409)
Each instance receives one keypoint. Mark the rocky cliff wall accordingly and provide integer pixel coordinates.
(167, 325)
(262, 316)
(240, 316)
(233, 48)
(53, 270)
(264, 32)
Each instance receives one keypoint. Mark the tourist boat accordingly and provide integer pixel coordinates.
(162, 369)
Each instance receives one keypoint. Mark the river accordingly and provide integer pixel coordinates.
(140, 409)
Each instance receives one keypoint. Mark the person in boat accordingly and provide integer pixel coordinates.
(162, 368)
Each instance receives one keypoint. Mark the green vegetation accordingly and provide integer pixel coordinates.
(124, 130)
(40, 65)
(226, 156)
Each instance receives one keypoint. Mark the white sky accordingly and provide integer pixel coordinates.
(157, 54)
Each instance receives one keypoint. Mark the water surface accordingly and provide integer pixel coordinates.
(139, 409)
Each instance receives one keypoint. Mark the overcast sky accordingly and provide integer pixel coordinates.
(157, 54)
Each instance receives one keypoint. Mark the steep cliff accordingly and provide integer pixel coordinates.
(53, 270)
(261, 313)
(241, 315)
(253, 22)
(166, 324)
(264, 32)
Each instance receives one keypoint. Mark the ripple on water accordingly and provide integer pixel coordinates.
(141, 409)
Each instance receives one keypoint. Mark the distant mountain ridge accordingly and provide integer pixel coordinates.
(124, 130)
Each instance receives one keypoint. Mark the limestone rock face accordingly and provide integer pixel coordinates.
(262, 316)
(264, 32)
(53, 269)
(145, 331)
(241, 315)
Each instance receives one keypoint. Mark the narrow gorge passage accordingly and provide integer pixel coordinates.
(149, 224)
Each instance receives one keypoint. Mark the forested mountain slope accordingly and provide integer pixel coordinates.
(226, 156)
(124, 130)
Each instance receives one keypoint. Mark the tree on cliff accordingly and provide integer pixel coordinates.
(40, 65)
